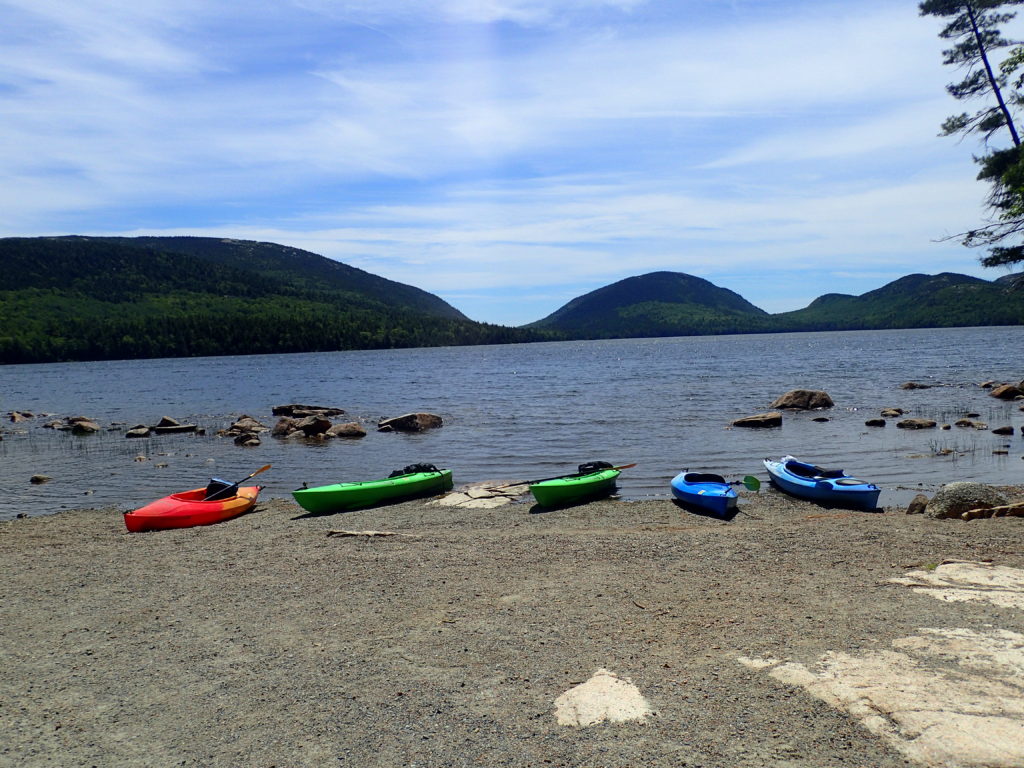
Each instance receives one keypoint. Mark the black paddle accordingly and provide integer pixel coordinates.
(224, 492)
(556, 477)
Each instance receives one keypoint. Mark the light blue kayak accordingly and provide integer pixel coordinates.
(829, 486)
(705, 490)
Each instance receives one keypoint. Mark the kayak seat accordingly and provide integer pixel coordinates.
(810, 471)
(705, 477)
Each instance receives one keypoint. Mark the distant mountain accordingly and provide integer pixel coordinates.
(87, 298)
(676, 304)
(291, 270)
(1013, 280)
(914, 301)
(656, 304)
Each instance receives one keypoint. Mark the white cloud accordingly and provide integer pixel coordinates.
(604, 138)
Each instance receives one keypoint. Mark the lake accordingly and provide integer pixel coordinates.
(523, 411)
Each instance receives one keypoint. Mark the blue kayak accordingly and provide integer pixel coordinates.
(706, 491)
(830, 486)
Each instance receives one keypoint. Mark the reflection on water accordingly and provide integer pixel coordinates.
(523, 411)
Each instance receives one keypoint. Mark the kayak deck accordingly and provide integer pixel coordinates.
(187, 509)
(357, 495)
(830, 486)
(708, 491)
(574, 488)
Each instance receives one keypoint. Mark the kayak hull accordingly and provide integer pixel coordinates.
(706, 491)
(562, 491)
(808, 481)
(187, 509)
(358, 495)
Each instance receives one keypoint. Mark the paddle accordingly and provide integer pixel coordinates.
(224, 492)
(751, 483)
(556, 477)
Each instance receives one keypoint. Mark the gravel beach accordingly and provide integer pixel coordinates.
(264, 641)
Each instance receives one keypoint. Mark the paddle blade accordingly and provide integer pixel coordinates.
(261, 469)
(751, 483)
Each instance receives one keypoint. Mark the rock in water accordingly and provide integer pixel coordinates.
(917, 424)
(410, 422)
(1007, 392)
(760, 420)
(804, 399)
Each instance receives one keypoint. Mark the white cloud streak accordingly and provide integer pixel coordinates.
(711, 142)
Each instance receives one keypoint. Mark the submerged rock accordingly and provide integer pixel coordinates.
(760, 420)
(411, 422)
(917, 424)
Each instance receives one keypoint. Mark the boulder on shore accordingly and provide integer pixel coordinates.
(803, 399)
(760, 420)
(918, 505)
(953, 499)
(410, 422)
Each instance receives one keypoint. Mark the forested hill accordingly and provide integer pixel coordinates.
(915, 301)
(656, 304)
(84, 298)
(676, 304)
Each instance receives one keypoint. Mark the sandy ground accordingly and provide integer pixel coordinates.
(263, 641)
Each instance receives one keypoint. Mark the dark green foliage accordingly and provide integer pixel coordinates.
(915, 301)
(97, 299)
(656, 304)
(974, 27)
(639, 307)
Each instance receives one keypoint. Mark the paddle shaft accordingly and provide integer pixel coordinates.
(558, 477)
(224, 492)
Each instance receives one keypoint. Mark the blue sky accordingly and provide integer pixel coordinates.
(507, 155)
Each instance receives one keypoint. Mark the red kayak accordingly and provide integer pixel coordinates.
(183, 510)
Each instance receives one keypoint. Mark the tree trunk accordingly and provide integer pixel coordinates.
(992, 78)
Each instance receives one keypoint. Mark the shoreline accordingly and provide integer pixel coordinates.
(264, 641)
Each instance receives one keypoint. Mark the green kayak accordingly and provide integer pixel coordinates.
(569, 490)
(342, 496)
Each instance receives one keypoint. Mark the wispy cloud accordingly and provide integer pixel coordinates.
(473, 148)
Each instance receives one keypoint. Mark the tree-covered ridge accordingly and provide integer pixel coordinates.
(916, 301)
(641, 306)
(95, 299)
(656, 304)
(292, 271)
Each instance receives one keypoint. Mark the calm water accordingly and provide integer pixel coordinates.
(522, 411)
